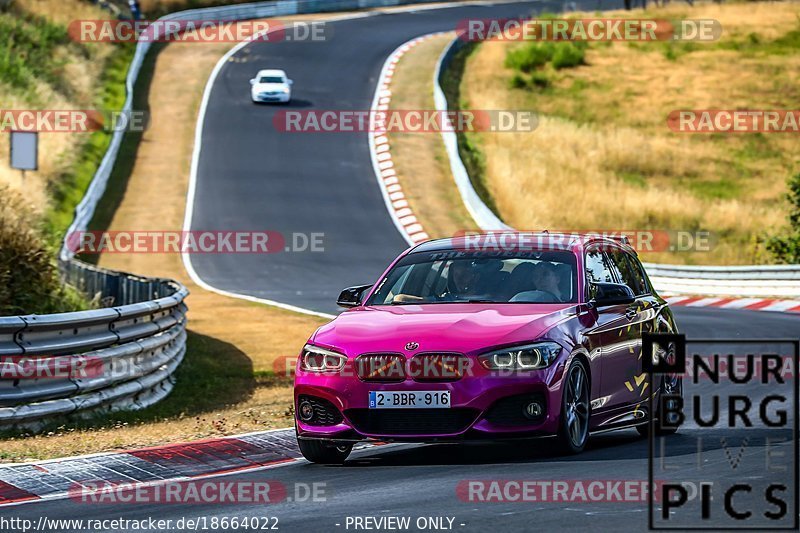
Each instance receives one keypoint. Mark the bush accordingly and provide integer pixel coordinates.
(786, 248)
(568, 55)
(536, 55)
(29, 280)
(540, 79)
(530, 57)
(517, 82)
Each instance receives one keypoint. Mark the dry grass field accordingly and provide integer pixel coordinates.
(603, 157)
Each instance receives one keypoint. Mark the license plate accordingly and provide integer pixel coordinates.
(409, 399)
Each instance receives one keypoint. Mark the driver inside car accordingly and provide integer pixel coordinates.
(546, 279)
(462, 280)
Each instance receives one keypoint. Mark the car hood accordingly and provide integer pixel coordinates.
(464, 328)
(259, 87)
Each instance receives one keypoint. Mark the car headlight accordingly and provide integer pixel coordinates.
(316, 359)
(285, 90)
(528, 357)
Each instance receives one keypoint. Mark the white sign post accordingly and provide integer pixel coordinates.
(24, 151)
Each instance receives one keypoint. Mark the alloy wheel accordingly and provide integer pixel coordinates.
(577, 406)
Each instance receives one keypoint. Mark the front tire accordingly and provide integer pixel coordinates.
(324, 452)
(573, 432)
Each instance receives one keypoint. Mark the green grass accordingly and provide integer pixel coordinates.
(67, 190)
(724, 188)
(634, 178)
(471, 154)
(160, 11)
(756, 147)
(751, 45)
(28, 53)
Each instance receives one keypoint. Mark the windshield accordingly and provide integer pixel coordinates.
(454, 277)
(270, 79)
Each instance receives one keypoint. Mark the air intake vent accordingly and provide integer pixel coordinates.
(411, 421)
(381, 367)
(439, 367)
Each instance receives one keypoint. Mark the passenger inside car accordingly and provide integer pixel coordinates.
(539, 283)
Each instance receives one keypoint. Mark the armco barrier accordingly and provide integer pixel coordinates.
(118, 357)
(781, 281)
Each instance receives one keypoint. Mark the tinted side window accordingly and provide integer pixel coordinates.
(629, 271)
(638, 271)
(598, 267)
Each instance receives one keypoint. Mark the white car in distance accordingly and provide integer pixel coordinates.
(271, 85)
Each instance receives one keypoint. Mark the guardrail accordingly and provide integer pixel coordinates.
(781, 281)
(119, 357)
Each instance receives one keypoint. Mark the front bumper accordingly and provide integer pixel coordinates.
(481, 407)
(278, 98)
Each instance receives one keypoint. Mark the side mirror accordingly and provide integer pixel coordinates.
(351, 296)
(253, 81)
(604, 294)
(290, 82)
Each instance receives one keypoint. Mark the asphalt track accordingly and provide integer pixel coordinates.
(252, 177)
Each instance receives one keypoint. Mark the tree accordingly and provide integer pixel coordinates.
(786, 249)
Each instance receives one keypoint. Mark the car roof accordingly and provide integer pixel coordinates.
(271, 72)
(519, 240)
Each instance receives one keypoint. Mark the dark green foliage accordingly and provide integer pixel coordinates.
(29, 281)
(786, 248)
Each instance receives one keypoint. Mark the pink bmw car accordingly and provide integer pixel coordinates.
(488, 337)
